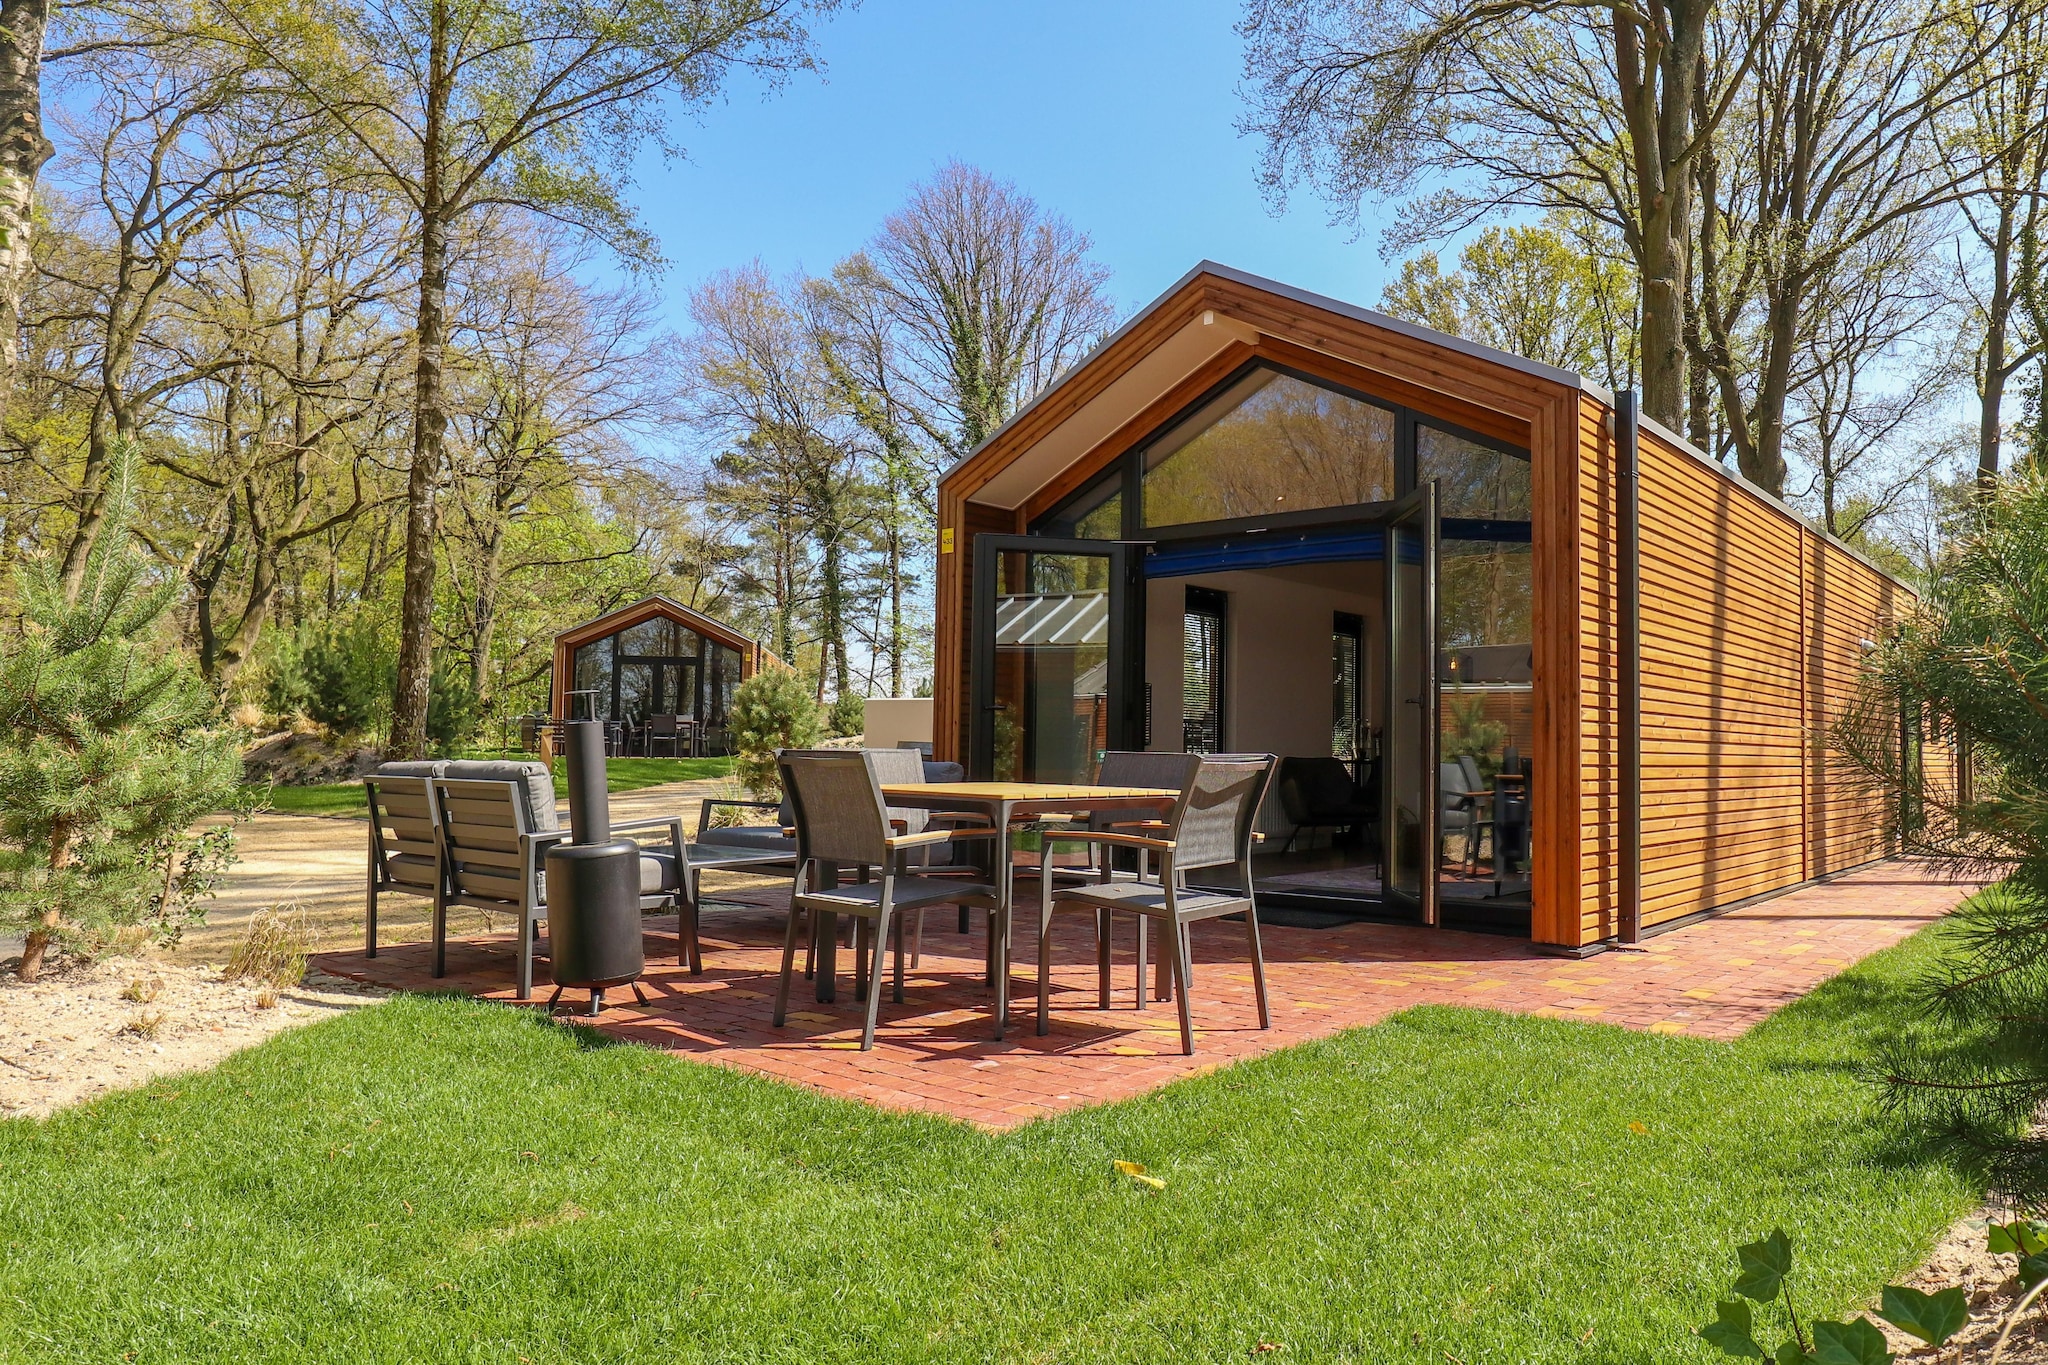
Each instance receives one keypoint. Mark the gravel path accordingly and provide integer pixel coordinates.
(319, 862)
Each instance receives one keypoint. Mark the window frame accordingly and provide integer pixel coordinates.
(1130, 465)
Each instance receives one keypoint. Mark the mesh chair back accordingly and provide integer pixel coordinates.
(839, 811)
(1126, 768)
(901, 768)
(1474, 779)
(480, 827)
(1218, 808)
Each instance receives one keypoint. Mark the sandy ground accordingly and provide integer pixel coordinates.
(87, 1028)
(1989, 1283)
(320, 863)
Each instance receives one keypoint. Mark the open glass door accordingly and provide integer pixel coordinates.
(1410, 799)
(1051, 657)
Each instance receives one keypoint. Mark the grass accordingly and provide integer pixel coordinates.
(437, 1179)
(622, 775)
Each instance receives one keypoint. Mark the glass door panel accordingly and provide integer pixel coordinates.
(1410, 770)
(1049, 657)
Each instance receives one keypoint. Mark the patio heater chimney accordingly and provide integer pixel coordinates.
(593, 884)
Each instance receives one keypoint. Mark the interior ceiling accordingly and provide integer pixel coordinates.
(1173, 360)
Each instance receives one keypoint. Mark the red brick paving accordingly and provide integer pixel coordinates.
(935, 1052)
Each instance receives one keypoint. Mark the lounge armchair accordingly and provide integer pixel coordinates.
(497, 821)
(1320, 793)
(405, 838)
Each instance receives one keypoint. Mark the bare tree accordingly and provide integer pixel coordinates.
(1602, 108)
(171, 144)
(2003, 128)
(469, 105)
(1882, 364)
(552, 379)
(990, 297)
(1832, 145)
(23, 151)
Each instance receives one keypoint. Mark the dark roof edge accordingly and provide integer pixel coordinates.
(1736, 477)
(1413, 331)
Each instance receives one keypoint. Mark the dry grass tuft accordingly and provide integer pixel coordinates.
(145, 1025)
(274, 953)
(266, 999)
(141, 992)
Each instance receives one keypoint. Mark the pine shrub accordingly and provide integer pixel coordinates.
(112, 749)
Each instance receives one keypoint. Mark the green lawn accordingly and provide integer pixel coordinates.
(622, 775)
(444, 1180)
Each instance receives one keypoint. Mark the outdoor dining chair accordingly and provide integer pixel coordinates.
(662, 730)
(842, 820)
(405, 838)
(1211, 825)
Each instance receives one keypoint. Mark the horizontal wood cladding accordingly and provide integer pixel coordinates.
(1753, 631)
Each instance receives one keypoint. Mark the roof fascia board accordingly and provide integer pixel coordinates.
(1246, 279)
(604, 625)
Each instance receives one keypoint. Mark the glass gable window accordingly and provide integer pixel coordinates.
(1096, 513)
(1474, 481)
(1270, 443)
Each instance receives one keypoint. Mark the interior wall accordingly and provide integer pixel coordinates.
(1276, 635)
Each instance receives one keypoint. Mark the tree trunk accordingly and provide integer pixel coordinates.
(23, 150)
(35, 945)
(1658, 71)
(1996, 367)
(430, 417)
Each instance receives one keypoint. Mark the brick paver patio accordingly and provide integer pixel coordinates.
(935, 1052)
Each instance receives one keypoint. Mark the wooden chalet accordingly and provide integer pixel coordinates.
(656, 657)
(1533, 663)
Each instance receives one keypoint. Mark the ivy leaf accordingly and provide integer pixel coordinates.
(2033, 1269)
(1765, 1265)
(1850, 1343)
(1731, 1330)
(1791, 1353)
(2020, 1237)
(1933, 1318)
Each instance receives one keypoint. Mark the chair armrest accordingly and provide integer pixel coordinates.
(1103, 836)
(672, 823)
(955, 817)
(538, 837)
(936, 836)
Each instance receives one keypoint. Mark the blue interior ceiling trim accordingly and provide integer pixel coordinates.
(1265, 550)
(1463, 528)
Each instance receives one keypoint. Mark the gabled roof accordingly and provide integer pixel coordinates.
(1302, 298)
(646, 609)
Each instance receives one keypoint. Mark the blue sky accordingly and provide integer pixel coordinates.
(1119, 114)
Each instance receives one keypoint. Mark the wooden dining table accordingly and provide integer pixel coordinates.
(1002, 805)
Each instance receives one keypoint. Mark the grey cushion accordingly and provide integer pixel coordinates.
(416, 767)
(539, 786)
(657, 870)
(415, 869)
(944, 772)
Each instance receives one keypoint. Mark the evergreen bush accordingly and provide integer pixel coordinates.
(112, 748)
(771, 710)
(848, 716)
(1967, 672)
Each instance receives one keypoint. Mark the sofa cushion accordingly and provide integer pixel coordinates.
(944, 772)
(537, 785)
(414, 767)
(769, 837)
